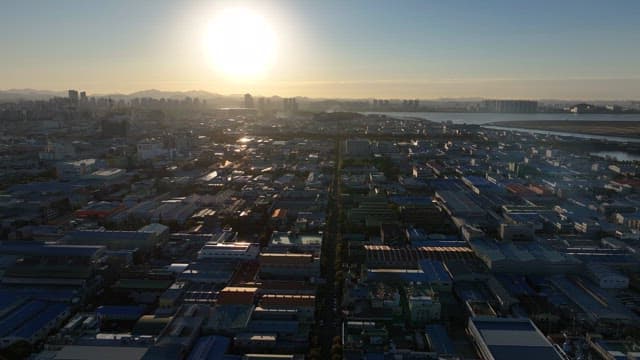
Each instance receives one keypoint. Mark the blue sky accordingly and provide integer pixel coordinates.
(424, 49)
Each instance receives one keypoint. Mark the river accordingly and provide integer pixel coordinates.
(567, 134)
(617, 155)
(485, 118)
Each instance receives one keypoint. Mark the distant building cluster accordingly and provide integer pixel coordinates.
(289, 105)
(166, 229)
(390, 105)
(248, 101)
(511, 106)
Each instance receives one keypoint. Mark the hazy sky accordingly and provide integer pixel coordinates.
(345, 48)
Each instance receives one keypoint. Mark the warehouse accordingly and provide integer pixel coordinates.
(510, 338)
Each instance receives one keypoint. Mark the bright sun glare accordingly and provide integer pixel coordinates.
(241, 44)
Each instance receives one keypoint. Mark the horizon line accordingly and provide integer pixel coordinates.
(213, 93)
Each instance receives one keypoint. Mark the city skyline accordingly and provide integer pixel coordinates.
(426, 50)
(319, 180)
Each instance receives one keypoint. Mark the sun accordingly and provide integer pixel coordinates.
(241, 44)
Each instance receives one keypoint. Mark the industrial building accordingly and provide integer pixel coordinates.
(31, 321)
(510, 338)
(295, 242)
(229, 251)
(145, 238)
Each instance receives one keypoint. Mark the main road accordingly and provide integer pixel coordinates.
(329, 321)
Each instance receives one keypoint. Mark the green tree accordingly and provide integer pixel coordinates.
(315, 353)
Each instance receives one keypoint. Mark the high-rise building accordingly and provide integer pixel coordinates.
(410, 104)
(248, 101)
(261, 104)
(73, 96)
(511, 106)
(83, 96)
(289, 104)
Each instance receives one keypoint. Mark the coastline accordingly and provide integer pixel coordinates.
(626, 129)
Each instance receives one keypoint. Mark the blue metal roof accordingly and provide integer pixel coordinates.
(446, 184)
(132, 312)
(417, 234)
(21, 315)
(590, 299)
(478, 181)
(210, 348)
(96, 235)
(268, 326)
(505, 352)
(45, 294)
(503, 325)
(434, 271)
(8, 299)
(411, 200)
(53, 311)
(43, 187)
(470, 294)
(606, 258)
(439, 339)
(516, 285)
(29, 248)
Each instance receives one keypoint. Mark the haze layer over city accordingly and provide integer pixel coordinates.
(244, 180)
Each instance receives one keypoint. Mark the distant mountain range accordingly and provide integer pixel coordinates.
(34, 94)
(29, 94)
(158, 94)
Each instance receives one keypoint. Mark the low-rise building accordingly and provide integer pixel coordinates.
(606, 277)
(237, 251)
(32, 321)
(423, 304)
(510, 338)
(74, 169)
(145, 238)
(288, 266)
(283, 242)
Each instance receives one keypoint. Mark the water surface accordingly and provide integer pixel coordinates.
(485, 118)
(566, 134)
(617, 155)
